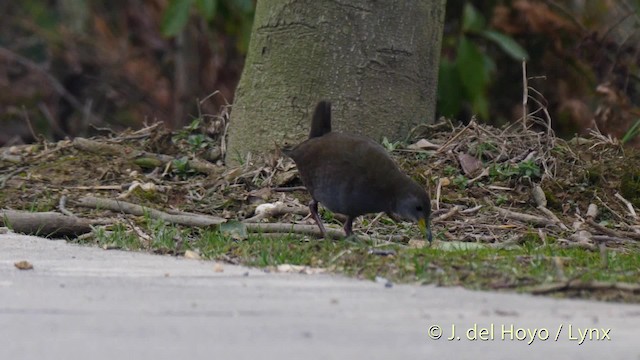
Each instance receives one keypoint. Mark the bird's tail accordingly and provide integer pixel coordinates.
(321, 121)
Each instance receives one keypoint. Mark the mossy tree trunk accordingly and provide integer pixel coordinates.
(376, 61)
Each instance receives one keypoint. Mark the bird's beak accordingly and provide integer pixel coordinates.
(425, 227)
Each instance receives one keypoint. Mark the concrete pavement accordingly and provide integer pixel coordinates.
(88, 303)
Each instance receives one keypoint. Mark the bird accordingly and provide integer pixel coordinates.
(353, 175)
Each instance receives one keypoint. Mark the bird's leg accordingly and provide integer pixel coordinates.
(348, 226)
(313, 208)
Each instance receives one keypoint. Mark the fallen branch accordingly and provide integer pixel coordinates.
(454, 210)
(276, 209)
(553, 217)
(472, 210)
(531, 219)
(601, 239)
(611, 232)
(577, 244)
(292, 228)
(584, 238)
(138, 210)
(47, 224)
(6, 178)
(584, 285)
(100, 187)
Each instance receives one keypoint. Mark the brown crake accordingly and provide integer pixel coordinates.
(353, 175)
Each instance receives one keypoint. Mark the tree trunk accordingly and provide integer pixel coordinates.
(376, 61)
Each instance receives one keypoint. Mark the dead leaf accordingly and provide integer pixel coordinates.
(300, 269)
(190, 254)
(470, 164)
(23, 265)
(423, 144)
(217, 267)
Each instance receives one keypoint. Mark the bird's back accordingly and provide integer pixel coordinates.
(349, 174)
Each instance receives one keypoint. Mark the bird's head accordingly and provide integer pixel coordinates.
(414, 205)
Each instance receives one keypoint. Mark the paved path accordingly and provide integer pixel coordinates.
(87, 303)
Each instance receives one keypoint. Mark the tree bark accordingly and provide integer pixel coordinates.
(377, 61)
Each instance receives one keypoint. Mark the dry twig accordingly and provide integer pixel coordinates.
(137, 210)
(629, 205)
(531, 219)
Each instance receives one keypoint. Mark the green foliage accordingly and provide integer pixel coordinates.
(524, 169)
(184, 133)
(327, 215)
(507, 44)
(501, 199)
(164, 236)
(207, 8)
(467, 77)
(461, 181)
(390, 146)
(119, 237)
(181, 167)
(484, 148)
(450, 170)
(192, 135)
(40, 13)
(633, 131)
(528, 169)
(175, 17)
(234, 17)
(197, 141)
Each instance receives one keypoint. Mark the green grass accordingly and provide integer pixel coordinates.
(119, 237)
(523, 266)
(477, 267)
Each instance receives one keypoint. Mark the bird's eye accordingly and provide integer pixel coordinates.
(418, 208)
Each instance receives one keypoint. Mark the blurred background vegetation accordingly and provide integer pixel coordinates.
(77, 67)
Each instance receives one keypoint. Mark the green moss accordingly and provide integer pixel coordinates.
(552, 200)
